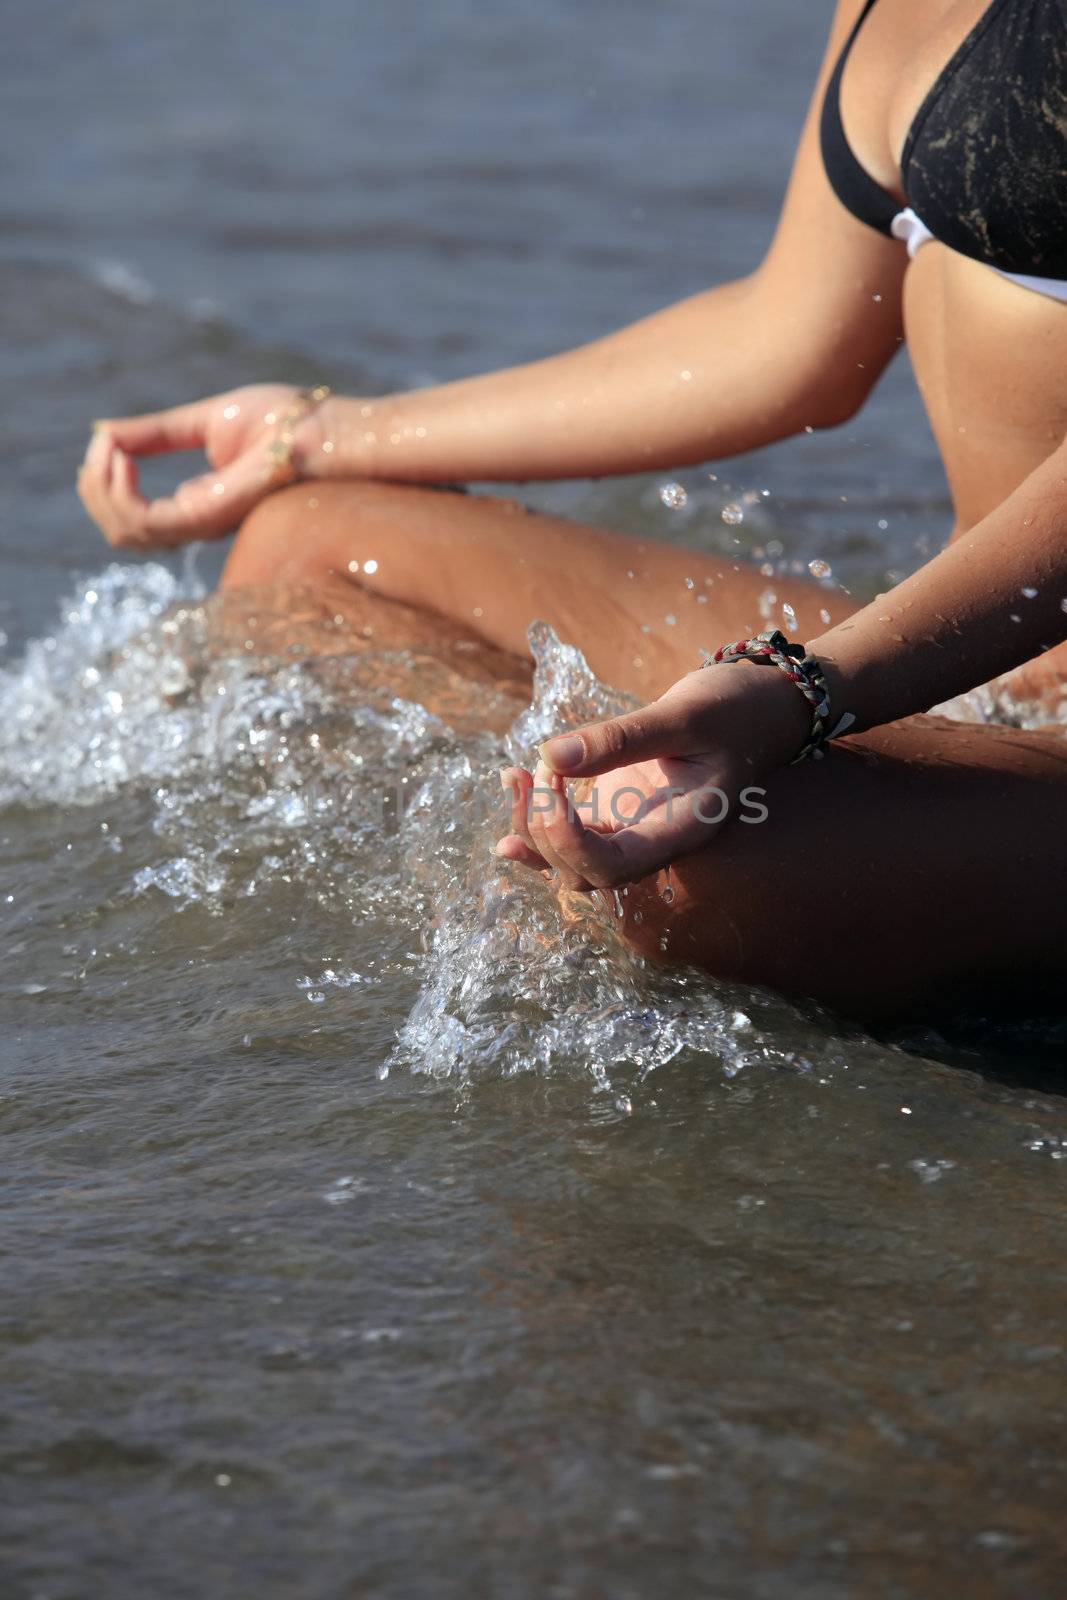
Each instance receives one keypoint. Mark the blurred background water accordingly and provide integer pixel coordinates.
(368, 1229)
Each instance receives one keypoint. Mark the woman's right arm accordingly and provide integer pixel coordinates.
(798, 343)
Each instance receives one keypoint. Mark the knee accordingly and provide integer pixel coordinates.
(696, 915)
(295, 534)
(277, 541)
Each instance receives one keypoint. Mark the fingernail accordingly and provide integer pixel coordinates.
(506, 782)
(562, 754)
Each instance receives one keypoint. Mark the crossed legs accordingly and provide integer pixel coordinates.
(917, 865)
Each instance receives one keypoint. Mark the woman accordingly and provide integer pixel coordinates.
(922, 860)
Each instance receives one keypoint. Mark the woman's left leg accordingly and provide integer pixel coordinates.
(640, 610)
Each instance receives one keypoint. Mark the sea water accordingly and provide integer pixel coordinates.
(368, 1216)
(372, 1224)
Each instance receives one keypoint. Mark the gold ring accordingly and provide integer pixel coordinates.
(280, 469)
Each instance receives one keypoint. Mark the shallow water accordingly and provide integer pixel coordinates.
(370, 1227)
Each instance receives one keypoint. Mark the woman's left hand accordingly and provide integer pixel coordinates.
(679, 769)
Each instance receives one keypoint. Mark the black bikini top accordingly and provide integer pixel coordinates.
(985, 161)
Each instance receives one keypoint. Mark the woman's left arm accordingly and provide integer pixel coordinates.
(993, 599)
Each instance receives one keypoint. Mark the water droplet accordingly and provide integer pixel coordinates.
(732, 514)
(231, 412)
(824, 616)
(670, 619)
(370, 566)
(674, 497)
(1029, 594)
(327, 446)
(931, 1171)
(819, 568)
(883, 523)
(218, 488)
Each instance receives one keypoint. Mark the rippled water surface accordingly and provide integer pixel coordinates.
(373, 1225)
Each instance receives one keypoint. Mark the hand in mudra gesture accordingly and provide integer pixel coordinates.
(235, 431)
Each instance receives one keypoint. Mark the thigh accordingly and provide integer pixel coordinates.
(640, 610)
(916, 866)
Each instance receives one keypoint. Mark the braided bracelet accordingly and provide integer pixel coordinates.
(800, 668)
(280, 469)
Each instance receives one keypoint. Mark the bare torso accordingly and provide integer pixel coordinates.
(988, 355)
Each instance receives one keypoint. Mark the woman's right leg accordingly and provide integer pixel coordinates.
(920, 866)
(640, 610)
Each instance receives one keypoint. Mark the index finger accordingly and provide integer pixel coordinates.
(178, 428)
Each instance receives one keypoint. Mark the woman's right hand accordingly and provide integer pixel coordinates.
(232, 429)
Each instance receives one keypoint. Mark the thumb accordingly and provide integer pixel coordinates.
(659, 729)
(211, 505)
(201, 508)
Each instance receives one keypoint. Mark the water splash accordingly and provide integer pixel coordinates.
(321, 780)
(348, 778)
(518, 981)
